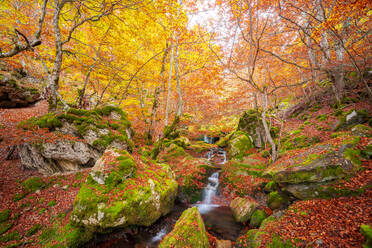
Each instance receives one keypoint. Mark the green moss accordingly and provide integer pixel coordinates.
(271, 186)
(189, 231)
(10, 236)
(276, 200)
(265, 154)
(18, 196)
(4, 215)
(52, 203)
(366, 231)
(353, 156)
(34, 229)
(33, 183)
(257, 217)
(367, 152)
(4, 227)
(322, 117)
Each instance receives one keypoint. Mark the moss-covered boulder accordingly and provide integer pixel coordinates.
(362, 131)
(317, 164)
(271, 186)
(277, 200)
(257, 217)
(243, 208)
(121, 192)
(76, 139)
(366, 231)
(250, 122)
(351, 118)
(255, 238)
(189, 231)
(239, 145)
(17, 92)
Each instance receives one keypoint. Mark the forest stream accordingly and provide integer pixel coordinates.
(218, 218)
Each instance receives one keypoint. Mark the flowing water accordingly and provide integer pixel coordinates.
(218, 219)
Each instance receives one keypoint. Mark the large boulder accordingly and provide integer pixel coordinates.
(120, 192)
(75, 139)
(16, 93)
(351, 118)
(251, 123)
(314, 172)
(317, 164)
(189, 231)
(239, 145)
(243, 208)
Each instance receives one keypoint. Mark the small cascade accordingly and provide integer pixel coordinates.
(217, 155)
(211, 189)
(159, 236)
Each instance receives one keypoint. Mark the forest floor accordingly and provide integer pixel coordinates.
(319, 222)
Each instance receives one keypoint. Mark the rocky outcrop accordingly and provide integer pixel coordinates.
(84, 136)
(243, 208)
(189, 231)
(119, 193)
(313, 173)
(16, 93)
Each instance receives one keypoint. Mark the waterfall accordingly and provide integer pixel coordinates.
(211, 189)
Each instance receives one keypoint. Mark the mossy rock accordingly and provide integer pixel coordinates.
(366, 231)
(367, 152)
(239, 145)
(189, 231)
(67, 235)
(325, 190)
(276, 200)
(33, 183)
(317, 164)
(257, 217)
(351, 118)
(121, 201)
(271, 186)
(362, 131)
(243, 208)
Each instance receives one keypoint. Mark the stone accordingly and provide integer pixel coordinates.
(319, 163)
(362, 131)
(121, 197)
(250, 122)
(276, 200)
(243, 208)
(257, 217)
(86, 136)
(189, 231)
(14, 93)
(223, 244)
(350, 119)
(239, 145)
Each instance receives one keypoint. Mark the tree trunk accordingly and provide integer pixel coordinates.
(54, 79)
(267, 131)
(169, 85)
(176, 63)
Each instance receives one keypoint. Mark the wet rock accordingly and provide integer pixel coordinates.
(223, 244)
(243, 208)
(189, 231)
